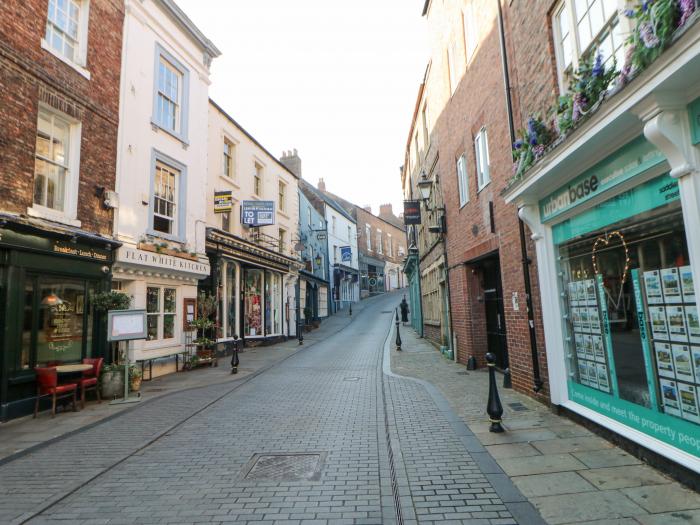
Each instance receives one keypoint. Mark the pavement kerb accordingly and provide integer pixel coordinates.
(522, 510)
(237, 383)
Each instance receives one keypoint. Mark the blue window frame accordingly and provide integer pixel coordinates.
(170, 94)
(167, 198)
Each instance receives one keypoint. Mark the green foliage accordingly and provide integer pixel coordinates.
(308, 314)
(656, 21)
(105, 301)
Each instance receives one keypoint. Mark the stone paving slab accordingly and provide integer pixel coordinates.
(568, 473)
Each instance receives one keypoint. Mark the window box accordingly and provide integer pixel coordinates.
(157, 248)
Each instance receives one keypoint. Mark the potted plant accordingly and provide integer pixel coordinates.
(112, 377)
(206, 327)
(135, 378)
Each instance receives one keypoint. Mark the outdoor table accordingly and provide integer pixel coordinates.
(71, 369)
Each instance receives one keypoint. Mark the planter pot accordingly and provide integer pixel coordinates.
(316, 323)
(112, 384)
(135, 384)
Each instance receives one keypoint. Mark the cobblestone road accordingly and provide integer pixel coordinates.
(359, 446)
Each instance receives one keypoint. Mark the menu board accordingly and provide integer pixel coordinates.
(675, 331)
(591, 358)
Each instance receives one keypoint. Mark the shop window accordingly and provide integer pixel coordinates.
(66, 30)
(582, 27)
(160, 312)
(273, 303)
(227, 315)
(253, 303)
(632, 327)
(170, 97)
(56, 165)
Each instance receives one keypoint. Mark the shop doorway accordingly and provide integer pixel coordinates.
(496, 337)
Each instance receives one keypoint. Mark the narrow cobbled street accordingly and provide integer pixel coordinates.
(324, 436)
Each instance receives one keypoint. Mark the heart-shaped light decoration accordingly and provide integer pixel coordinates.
(606, 241)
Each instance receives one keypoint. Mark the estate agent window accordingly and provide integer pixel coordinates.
(582, 27)
(481, 145)
(160, 312)
(56, 165)
(66, 30)
(170, 98)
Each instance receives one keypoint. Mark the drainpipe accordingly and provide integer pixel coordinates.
(525, 259)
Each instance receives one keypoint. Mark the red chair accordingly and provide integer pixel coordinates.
(47, 385)
(90, 379)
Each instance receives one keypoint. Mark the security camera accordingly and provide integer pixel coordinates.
(105, 269)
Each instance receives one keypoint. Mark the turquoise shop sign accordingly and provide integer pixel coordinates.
(652, 194)
(674, 431)
(636, 157)
(694, 115)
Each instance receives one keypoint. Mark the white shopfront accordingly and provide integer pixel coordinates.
(615, 213)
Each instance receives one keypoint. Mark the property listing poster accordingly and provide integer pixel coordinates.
(589, 344)
(674, 327)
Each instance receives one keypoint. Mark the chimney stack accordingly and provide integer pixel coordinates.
(321, 184)
(291, 161)
(386, 210)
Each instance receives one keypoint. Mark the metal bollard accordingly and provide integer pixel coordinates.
(234, 357)
(398, 335)
(350, 309)
(494, 408)
(507, 381)
(300, 331)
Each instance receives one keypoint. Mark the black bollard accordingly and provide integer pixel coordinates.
(398, 335)
(494, 408)
(234, 357)
(507, 381)
(471, 363)
(300, 331)
(350, 309)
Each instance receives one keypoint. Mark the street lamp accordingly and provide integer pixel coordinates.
(317, 260)
(425, 186)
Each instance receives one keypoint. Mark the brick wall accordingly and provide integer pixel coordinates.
(398, 237)
(30, 75)
(479, 101)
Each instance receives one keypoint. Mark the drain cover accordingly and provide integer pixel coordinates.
(285, 467)
(352, 379)
(518, 407)
(462, 373)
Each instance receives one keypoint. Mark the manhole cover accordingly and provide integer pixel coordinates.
(285, 467)
(518, 407)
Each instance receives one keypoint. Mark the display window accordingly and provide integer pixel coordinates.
(227, 300)
(632, 333)
(253, 302)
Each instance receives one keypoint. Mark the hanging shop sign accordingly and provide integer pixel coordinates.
(635, 158)
(411, 212)
(258, 213)
(346, 254)
(223, 201)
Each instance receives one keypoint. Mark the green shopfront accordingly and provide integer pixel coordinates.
(618, 247)
(47, 278)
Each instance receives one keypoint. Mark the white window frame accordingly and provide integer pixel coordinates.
(182, 104)
(258, 178)
(161, 313)
(483, 163)
(615, 23)
(282, 195)
(389, 245)
(79, 59)
(471, 32)
(179, 230)
(69, 213)
(308, 215)
(368, 234)
(462, 180)
(380, 246)
(452, 67)
(229, 160)
(282, 240)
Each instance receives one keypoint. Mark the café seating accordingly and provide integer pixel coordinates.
(47, 385)
(91, 379)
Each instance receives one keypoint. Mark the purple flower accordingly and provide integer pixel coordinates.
(531, 126)
(533, 140)
(645, 5)
(518, 144)
(630, 13)
(579, 107)
(598, 69)
(687, 8)
(538, 151)
(648, 36)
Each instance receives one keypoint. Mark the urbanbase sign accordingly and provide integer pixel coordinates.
(676, 432)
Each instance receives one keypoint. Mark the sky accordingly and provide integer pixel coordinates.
(336, 80)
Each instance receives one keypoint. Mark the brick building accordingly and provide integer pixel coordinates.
(59, 83)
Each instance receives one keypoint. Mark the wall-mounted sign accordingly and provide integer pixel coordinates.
(135, 257)
(258, 213)
(126, 325)
(189, 307)
(321, 236)
(223, 201)
(411, 212)
(346, 254)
